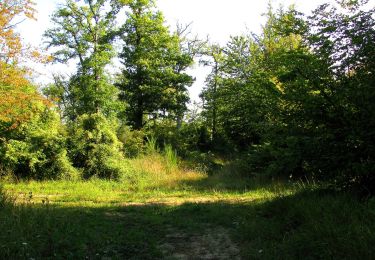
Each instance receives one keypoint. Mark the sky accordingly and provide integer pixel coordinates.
(217, 19)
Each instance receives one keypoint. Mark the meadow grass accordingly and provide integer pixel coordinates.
(173, 213)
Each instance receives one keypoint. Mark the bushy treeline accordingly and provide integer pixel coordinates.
(86, 133)
(294, 101)
(298, 98)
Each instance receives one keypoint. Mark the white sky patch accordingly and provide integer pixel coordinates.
(218, 19)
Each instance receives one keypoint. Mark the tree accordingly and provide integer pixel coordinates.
(32, 142)
(19, 100)
(239, 95)
(323, 69)
(85, 32)
(153, 81)
(209, 94)
(343, 42)
(10, 41)
(308, 84)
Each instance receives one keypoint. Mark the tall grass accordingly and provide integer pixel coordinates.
(170, 158)
(151, 145)
(2, 198)
(5, 199)
(161, 170)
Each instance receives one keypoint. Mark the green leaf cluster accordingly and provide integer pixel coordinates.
(153, 81)
(37, 149)
(95, 148)
(298, 97)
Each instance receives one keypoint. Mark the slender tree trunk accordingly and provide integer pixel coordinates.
(179, 121)
(138, 117)
(214, 107)
(138, 114)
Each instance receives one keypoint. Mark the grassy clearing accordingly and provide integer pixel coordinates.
(181, 214)
(154, 180)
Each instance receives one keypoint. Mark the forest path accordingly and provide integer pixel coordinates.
(211, 243)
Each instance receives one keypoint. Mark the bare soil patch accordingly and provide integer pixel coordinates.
(212, 243)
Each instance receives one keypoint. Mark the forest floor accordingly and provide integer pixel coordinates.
(183, 215)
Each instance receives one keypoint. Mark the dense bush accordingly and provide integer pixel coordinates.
(299, 96)
(328, 93)
(133, 141)
(187, 138)
(36, 148)
(95, 148)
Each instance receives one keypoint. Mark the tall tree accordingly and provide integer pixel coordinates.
(342, 38)
(31, 140)
(215, 58)
(10, 41)
(18, 98)
(153, 81)
(84, 32)
(248, 96)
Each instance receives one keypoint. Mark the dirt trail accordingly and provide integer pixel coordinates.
(177, 201)
(212, 243)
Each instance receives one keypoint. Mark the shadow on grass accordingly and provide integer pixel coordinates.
(307, 225)
(234, 183)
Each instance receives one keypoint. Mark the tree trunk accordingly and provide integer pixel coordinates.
(138, 116)
(214, 108)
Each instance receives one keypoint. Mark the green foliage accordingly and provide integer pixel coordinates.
(350, 118)
(153, 81)
(206, 162)
(95, 148)
(36, 149)
(239, 95)
(298, 96)
(325, 108)
(133, 141)
(272, 161)
(294, 101)
(192, 136)
(84, 32)
(186, 138)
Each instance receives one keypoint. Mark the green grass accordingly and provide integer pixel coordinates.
(184, 212)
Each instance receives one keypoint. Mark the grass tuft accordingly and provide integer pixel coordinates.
(151, 145)
(170, 158)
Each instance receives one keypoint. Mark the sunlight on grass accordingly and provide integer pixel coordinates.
(140, 215)
(153, 181)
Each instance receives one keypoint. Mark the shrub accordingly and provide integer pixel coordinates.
(275, 161)
(36, 149)
(32, 140)
(133, 141)
(95, 148)
(184, 139)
